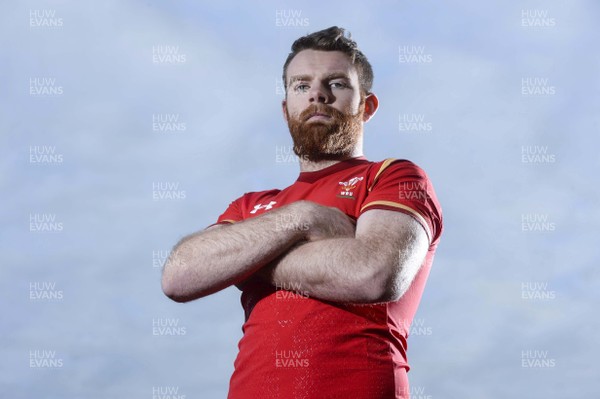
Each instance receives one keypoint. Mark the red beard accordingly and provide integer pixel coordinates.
(333, 139)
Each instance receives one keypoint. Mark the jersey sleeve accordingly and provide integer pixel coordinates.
(232, 214)
(402, 186)
(240, 209)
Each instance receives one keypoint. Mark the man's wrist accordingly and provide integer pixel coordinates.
(301, 218)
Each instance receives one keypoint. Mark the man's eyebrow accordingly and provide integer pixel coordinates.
(337, 75)
(331, 76)
(299, 77)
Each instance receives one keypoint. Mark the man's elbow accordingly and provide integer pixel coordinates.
(380, 287)
(172, 291)
(379, 295)
(175, 281)
(181, 280)
(390, 294)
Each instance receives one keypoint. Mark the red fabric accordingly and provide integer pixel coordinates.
(296, 347)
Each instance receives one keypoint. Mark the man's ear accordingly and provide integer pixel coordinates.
(284, 109)
(371, 105)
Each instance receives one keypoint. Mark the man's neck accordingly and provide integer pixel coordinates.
(310, 166)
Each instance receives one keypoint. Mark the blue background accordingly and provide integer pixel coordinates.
(477, 323)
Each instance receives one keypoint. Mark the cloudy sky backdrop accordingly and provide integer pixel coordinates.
(125, 125)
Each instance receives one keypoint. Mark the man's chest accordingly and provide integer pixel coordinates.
(345, 191)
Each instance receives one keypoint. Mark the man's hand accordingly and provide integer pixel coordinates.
(320, 222)
(325, 222)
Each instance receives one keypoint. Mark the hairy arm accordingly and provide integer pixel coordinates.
(378, 264)
(211, 260)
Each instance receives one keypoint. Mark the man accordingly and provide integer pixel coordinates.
(331, 268)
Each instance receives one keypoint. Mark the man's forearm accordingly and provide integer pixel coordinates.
(208, 261)
(377, 264)
(337, 269)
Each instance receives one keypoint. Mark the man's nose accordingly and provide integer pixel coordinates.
(319, 94)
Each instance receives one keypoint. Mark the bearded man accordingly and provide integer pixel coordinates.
(331, 268)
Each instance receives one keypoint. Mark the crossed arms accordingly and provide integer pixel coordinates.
(322, 252)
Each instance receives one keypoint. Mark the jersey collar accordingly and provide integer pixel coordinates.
(311, 177)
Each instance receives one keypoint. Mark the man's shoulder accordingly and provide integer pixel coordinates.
(253, 196)
(393, 166)
(394, 163)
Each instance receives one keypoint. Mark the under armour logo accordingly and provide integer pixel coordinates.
(265, 207)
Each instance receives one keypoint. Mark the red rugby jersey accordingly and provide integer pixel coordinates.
(298, 347)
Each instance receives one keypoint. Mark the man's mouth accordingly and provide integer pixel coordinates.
(318, 116)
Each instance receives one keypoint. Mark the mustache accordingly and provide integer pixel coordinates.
(320, 109)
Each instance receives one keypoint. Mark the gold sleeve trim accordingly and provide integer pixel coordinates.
(416, 214)
(228, 221)
(384, 165)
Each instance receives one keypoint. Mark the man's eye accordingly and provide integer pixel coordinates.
(301, 87)
(337, 85)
